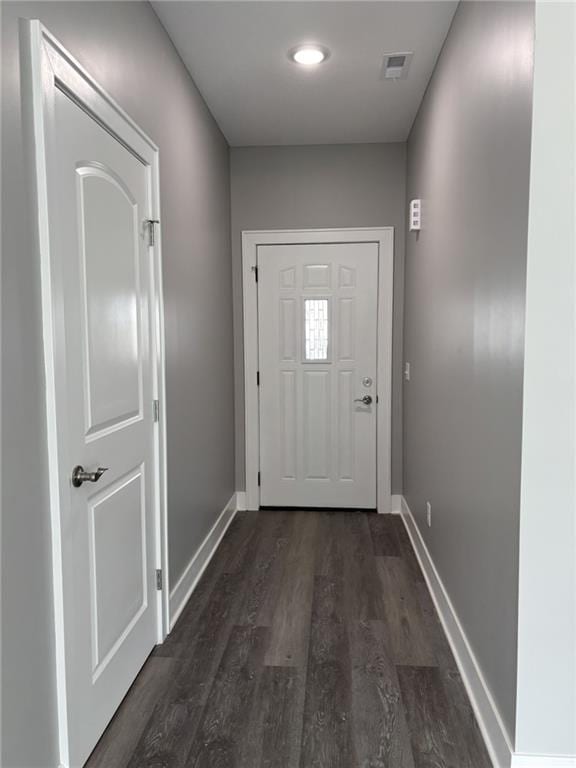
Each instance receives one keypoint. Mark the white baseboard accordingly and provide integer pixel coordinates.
(185, 585)
(496, 737)
(542, 761)
(396, 503)
(240, 501)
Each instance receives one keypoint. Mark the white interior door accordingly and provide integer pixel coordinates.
(99, 199)
(317, 329)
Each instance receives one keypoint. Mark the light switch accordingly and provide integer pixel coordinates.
(415, 215)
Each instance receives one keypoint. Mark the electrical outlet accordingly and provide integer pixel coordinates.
(429, 514)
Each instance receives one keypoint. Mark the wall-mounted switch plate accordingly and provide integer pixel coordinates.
(407, 371)
(429, 514)
(415, 215)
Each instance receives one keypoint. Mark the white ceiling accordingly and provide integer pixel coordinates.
(237, 54)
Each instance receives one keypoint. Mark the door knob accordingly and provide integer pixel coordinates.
(366, 400)
(79, 476)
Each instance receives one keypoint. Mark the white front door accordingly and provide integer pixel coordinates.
(317, 328)
(99, 200)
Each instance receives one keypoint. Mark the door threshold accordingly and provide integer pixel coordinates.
(270, 508)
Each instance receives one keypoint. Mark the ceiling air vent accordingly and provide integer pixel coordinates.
(396, 65)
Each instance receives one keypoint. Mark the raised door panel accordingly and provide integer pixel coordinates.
(288, 424)
(316, 423)
(288, 278)
(288, 341)
(109, 231)
(345, 421)
(346, 277)
(317, 276)
(118, 565)
(346, 329)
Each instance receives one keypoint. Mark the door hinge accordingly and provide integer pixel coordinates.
(151, 225)
(255, 270)
(156, 409)
(376, 398)
(257, 378)
(159, 580)
(258, 479)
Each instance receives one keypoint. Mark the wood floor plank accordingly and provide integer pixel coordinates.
(330, 546)
(169, 734)
(408, 640)
(470, 745)
(290, 624)
(384, 533)
(434, 631)
(222, 731)
(206, 646)
(234, 556)
(236, 551)
(275, 728)
(381, 738)
(171, 730)
(327, 731)
(429, 721)
(362, 585)
(263, 583)
(119, 741)
(407, 550)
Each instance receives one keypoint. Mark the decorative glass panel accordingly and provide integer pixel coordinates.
(316, 329)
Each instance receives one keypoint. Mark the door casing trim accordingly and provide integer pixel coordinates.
(46, 64)
(251, 239)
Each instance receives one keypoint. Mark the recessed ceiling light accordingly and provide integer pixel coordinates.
(309, 55)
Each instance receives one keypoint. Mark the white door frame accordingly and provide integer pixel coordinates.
(384, 238)
(48, 66)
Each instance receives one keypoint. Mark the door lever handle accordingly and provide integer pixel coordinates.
(79, 475)
(366, 400)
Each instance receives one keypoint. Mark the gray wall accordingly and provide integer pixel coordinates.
(468, 158)
(124, 46)
(347, 185)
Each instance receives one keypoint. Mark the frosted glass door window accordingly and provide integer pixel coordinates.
(316, 329)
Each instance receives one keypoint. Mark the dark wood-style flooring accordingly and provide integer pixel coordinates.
(310, 642)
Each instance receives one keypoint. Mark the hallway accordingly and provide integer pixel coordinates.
(311, 641)
(301, 259)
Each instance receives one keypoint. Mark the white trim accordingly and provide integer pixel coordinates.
(495, 733)
(542, 761)
(159, 385)
(384, 237)
(186, 584)
(396, 504)
(240, 501)
(34, 64)
(47, 61)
